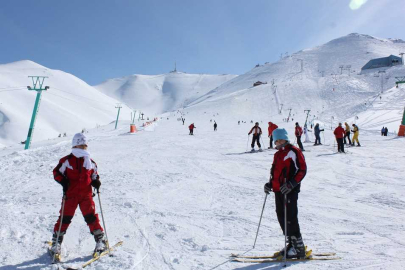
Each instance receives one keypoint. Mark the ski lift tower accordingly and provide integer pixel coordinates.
(306, 119)
(37, 82)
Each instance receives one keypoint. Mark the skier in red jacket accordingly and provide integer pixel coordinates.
(340, 134)
(77, 174)
(270, 129)
(288, 170)
(191, 128)
(298, 134)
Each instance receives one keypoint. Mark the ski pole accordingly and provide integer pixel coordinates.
(102, 216)
(60, 222)
(257, 233)
(247, 143)
(285, 230)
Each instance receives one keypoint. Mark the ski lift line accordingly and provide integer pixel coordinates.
(12, 87)
(77, 95)
(11, 90)
(75, 101)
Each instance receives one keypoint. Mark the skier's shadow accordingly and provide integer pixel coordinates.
(34, 264)
(41, 262)
(263, 266)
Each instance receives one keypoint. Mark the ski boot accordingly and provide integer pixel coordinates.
(56, 247)
(260, 149)
(298, 248)
(253, 149)
(101, 243)
(281, 252)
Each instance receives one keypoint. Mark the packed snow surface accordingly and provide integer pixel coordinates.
(188, 202)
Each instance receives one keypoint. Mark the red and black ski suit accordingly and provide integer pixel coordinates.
(191, 128)
(288, 165)
(298, 134)
(79, 192)
(340, 134)
(270, 129)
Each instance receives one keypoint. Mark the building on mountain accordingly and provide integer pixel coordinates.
(259, 83)
(389, 61)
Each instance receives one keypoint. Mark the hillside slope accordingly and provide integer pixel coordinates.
(156, 94)
(68, 106)
(321, 86)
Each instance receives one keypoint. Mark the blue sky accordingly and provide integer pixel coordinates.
(96, 39)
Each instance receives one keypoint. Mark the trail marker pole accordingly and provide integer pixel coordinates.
(118, 115)
(37, 82)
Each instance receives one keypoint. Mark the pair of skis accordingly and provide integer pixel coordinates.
(277, 258)
(57, 257)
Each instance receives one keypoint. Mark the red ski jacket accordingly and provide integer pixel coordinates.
(271, 128)
(288, 164)
(191, 126)
(79, 177)
(298, 131)
(339, 132)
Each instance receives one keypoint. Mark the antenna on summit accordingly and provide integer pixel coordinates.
(175, 66)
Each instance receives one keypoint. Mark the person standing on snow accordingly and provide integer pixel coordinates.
(191, 128)
(386, 131)
(382, 131)
(317, 134)
(340, 134)
(270, 130)
(77, 174)
(287, 172)
(298, 134)
(215, 126)
(356, 135)
(347, 134)
(257, 131)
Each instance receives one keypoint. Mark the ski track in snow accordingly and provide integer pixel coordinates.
(188, 202)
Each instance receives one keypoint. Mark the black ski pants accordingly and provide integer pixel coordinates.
(293, 228)
(256, 138)
(271, 141)
(341, 146)
(317, 138)
(300, 143)
(347, 135)
(191, 131)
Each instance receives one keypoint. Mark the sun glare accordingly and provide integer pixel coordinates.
(356, 4)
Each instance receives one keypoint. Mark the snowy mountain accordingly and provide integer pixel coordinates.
(161, 93)
(68, 106)
(312, 79)
(183, 202)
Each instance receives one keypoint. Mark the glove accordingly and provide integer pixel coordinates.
(65, 184)
(288, 187)
(267, 188)
(96, 183)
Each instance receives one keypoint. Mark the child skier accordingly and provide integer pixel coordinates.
(347, 133)
(287, 172)
(77, 174)
(257, 131)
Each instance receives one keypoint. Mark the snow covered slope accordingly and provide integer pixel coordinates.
(161, 93)
(183, 202)
(318, 86)
(68, 106)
